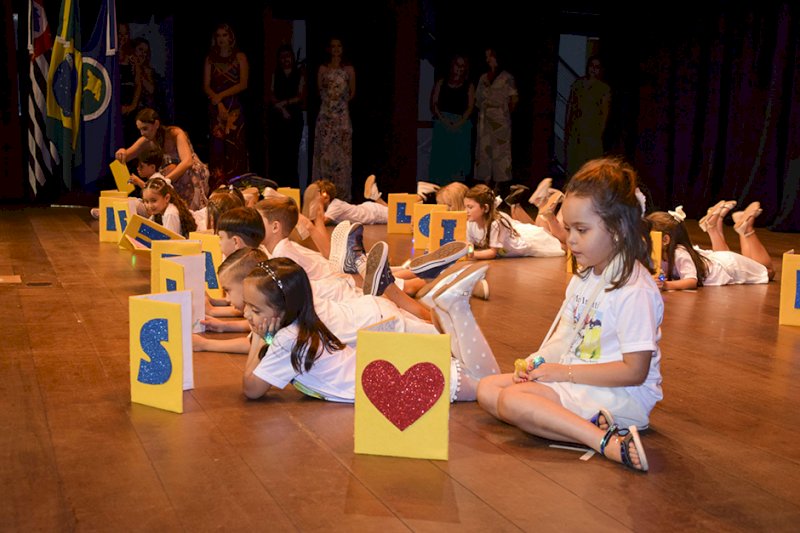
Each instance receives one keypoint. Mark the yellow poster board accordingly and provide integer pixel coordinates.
(401, 210)
(109, 228)
(161, 349)
(212, 249)
(113, 194)
(447, 226)
(402, 403)
(655, 255)
(140, 233)
(789, 312)
(121, 176)
(185, 273)
(292, 193)
(421, 224)
(161, 249)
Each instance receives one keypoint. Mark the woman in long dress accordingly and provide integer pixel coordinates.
(587, 115)
(452, 102)
(225, 78)
(333, 137)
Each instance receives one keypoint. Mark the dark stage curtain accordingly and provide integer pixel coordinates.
(718, 97)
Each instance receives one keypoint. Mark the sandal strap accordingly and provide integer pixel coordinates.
(612, 430)
(623, 451)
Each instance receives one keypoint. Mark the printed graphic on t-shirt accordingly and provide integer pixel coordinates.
(587, 346)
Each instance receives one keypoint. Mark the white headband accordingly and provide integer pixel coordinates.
(642, 200)
(678, 214)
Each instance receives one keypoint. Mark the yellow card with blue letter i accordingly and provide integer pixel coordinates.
(161, 349)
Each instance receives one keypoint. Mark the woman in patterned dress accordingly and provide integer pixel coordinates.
(333, 137)
(225, 77)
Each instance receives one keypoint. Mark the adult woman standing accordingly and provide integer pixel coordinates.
(587, 115)
(496, 97)
(333, 137)
(452, 102)
(286, 117)
(189, 176)
(224, 78)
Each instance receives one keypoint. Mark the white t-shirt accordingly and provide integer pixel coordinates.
(623, 320)
(724, 267)
(332, 376)
(530, 240)
(366, 213)
(171, 219)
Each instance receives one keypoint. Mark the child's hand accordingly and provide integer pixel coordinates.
(522, 369)
(199, 343)
(550, 372)
(214, 324)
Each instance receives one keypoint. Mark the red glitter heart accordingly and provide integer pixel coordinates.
(402, 398)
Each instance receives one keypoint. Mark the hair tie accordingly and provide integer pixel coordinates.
(678, 214)
(640, 197)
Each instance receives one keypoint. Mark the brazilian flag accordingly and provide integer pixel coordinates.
(64, 91)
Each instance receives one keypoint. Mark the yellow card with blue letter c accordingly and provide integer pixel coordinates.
(421, 223)
(161, 349)
(402, 403)
(140, 233)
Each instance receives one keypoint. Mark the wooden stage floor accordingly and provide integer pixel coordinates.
(77, 455)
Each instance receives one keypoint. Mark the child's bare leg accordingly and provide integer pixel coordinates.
(555, 226)
(535, 408)
(404, 301)
(751, 245)
(518, 213)
(717, 234)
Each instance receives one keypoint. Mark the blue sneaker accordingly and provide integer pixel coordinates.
(378, 275)
(355, 248)
(430, 265)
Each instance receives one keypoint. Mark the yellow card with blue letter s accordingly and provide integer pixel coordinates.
(161, 349)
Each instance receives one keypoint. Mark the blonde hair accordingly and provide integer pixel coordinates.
(452, 195)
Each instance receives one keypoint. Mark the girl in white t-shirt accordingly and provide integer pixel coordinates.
(687, 266)
(292, 344)
(494, 234)
(167, 208)
(601, 356)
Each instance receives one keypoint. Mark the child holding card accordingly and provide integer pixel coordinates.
(165, 207)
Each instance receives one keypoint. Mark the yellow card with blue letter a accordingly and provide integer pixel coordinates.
(212, 250)
(292, 193)
(401, 210)
(447, 226)
(161, 249)
(140, 233)
(185, 273)
(421, 224)
(161, 349)
(402, 403)
(789, 311)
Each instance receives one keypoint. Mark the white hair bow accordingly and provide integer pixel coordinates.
(642, 200)
(678, 214)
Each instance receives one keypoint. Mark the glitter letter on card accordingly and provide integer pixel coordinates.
(161, 349)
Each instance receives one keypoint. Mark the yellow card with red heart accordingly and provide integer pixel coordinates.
(402, 403)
